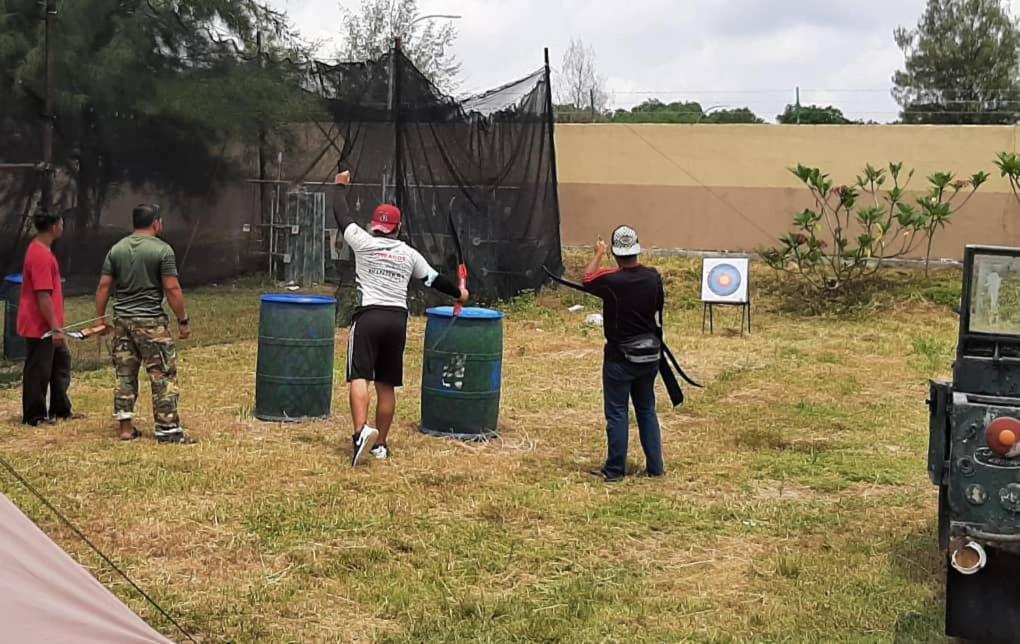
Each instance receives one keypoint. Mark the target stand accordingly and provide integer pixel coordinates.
(708, 314)
(724, 282)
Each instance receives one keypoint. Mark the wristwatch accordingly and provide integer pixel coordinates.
(184, 322)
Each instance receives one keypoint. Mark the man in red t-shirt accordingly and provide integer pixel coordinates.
(40, 311)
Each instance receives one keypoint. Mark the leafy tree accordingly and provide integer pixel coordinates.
(149, 93)
(961, 66)
(579, 87)
(428, 43)
(738, 115)
(19, 22)
(655, 111)
(813, 115)
(853, 229)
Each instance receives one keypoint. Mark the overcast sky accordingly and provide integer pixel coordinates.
(728, 53)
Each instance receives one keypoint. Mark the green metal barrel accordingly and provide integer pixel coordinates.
(294, 376)
(14, 345)
(462, 373)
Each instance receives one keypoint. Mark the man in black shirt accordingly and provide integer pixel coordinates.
(633, 300)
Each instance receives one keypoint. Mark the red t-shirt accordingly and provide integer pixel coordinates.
(42, 273)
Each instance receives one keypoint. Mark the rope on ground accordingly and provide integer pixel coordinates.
(520, 444)
(28, 486)
(523, 443)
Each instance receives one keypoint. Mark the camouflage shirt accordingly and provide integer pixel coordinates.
(138, 264)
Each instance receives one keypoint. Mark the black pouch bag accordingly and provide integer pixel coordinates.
(642, 349)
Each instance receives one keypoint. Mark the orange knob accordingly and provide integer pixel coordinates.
(1003, 435)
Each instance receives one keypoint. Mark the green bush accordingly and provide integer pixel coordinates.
(853, 229)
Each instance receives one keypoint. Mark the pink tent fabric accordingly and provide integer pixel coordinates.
(45, 596)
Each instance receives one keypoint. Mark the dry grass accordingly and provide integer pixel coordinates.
(797, 508)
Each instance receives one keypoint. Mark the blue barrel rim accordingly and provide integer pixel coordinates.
(300, 300)
(15, 279)
(469, 313)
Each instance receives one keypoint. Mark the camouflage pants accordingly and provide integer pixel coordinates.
(146, 342)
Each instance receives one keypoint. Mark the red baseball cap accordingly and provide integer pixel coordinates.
(385, 219)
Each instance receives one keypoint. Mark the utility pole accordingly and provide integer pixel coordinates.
(591, 93)
(48, 116)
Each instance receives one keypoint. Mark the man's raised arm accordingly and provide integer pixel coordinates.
(341, 213)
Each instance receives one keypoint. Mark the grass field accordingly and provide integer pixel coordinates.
(797, 507)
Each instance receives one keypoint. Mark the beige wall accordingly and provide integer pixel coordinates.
(702, 187)
(727, 187)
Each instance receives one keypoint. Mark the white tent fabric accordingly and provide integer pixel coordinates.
(45, 596)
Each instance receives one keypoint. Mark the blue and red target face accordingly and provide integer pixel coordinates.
(724, 280)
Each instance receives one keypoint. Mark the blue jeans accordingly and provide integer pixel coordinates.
(623, 382)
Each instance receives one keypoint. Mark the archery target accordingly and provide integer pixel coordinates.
(724, 280)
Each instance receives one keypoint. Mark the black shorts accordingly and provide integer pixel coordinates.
(375, 348)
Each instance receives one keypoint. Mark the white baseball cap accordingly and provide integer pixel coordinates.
(625, 242)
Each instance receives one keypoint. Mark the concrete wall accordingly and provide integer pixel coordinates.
(727, 187)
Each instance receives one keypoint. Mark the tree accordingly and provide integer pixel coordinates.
(146, 94)
(655, 111)
(427, 43)
(813, 115)
(961, 64)
(732, 116)
(580, 88)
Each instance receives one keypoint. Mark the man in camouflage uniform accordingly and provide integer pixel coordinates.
(141, 271)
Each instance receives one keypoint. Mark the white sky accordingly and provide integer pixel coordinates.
(728, 53)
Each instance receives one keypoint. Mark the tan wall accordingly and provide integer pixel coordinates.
(707, 187)
(727, 187)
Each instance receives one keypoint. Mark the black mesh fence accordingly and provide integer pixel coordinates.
(482, 167)
(484, 163)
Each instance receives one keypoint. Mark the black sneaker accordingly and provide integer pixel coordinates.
(608, 478)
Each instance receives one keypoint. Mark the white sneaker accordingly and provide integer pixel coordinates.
(363, 442)
(381, 452)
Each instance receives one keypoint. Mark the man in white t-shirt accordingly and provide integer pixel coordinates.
(384, 266)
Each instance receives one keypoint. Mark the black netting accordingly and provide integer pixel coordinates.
(488, 160)
(485, 162)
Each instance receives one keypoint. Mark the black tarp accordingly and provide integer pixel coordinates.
(486, 163)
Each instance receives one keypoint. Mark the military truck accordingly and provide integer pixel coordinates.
(974, 453)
